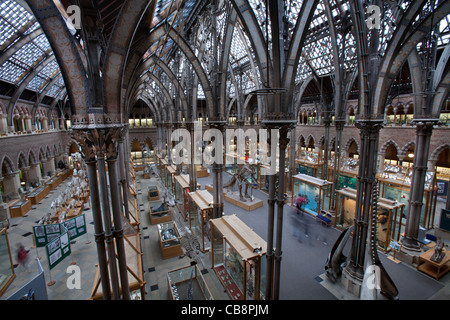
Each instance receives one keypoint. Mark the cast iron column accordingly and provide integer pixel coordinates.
(424, 130)
(98, 227)
(369, 131)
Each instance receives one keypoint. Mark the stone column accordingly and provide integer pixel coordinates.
(34, 174)
(50, 166)
(3, 124)
(25, 177)
(28, 126)
(11, 184)
(424, 130)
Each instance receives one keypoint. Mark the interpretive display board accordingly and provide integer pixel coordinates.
(58, 249)
(76, 226)
(46, 233)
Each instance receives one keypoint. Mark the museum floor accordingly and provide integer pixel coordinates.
(302, 276)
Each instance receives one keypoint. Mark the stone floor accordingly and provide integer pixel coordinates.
(302, 260)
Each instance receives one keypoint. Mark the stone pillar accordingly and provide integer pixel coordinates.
(424, 130)
(25, 176)
(3, 124)
(11, 184)
(28, 126)
(50, 166)
(34, 173)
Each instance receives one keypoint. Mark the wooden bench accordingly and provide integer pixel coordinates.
(324, 218)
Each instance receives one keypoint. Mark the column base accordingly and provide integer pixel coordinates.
(351, 283)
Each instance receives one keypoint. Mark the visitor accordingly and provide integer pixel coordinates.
(22, 257)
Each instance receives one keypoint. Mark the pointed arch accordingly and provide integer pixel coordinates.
(386, 145)
(436, 152)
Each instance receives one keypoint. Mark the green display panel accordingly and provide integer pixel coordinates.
(76, 226)
(58, 249)
(46, 233)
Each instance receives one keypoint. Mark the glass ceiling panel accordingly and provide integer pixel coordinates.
(16, 22)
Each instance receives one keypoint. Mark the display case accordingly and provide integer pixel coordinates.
(169, 240)
(238, 258)
(7, 274)
(153, 193)
(200, 213)
(170, 178)
(20, 208)
(315, 192)
(395, 184)
(181, 194)
(309, 163)
(187, 283)
(389, 213)
(159, 212)
(38, 194)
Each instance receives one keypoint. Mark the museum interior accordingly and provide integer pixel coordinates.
(224, 150)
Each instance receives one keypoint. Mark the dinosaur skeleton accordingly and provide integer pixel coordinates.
(241, 177)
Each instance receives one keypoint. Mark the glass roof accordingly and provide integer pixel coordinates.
(15, 23)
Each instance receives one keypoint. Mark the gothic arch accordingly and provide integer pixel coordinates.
(21, 161)
(405, 148)
(32, 159)
(435, 154)
(7, 165)
(349, 143)
(386, 145)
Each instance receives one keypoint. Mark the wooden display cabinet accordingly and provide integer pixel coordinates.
(20, 208)
(200, 213)
(38, 194)
(159, 216)
(187, 283)
(432, 268)
(153, 193)
(238, 258)
(169, 240)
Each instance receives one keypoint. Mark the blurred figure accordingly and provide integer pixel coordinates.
(22, 257)
(296, 224)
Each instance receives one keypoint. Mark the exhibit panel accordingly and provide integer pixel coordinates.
(187, 283)
(7, 274)
(315, 193)
(238, 258)
(200, 212)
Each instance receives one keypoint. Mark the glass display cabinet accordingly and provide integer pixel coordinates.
(187, 283)
(200, 212)
(169, 240)
(181, 194)
(170, 176)
(315, 192)
(238, 258)
(159, 213)
(395, 184)
(7, 274)
(231, 163)
(389, 217)
(153, 193)
(133, 251)
(309, 163)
